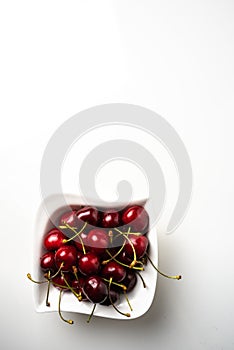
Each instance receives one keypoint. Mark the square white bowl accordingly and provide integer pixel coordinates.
(140, 298)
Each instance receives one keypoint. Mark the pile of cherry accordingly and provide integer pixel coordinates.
(96, 255)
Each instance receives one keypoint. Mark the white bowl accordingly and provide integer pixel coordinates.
(140, 298)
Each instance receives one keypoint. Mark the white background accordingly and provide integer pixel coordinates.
(174, 57)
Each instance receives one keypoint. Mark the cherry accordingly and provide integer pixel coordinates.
(97, 240)
(137, 217)
(110, 218)
(77, 286)
(114, 270)
(89, 264)
(66, 257)
(47, 262)
(54, 239)
(69, 218)
(124, 258)
(88, 214)
(130, 281)
(81, 238)
(138, 243)
(95, 289)
(114, 296)
(61, 281)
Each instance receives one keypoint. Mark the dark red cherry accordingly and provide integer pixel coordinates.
(95, 289)
(77, 286)
(140, 244)
(88, 214)
(97, 241)
(54, 239)
(77, 241)
(124, 258)
(130, 281)
(47, 262)
(110, 218)
(66, 255)
(89, 264)
(114, 270)
(114, 295)
(69, 218)
(59, 281)
(136, 217)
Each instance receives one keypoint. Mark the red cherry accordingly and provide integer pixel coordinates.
(77, 286)
(130, 281)
(110, 219)
(54, 239)
(66, 255)
(77, 241)
(88, 214)
(114, 270)
(47, 262)
(114, 295)
(69, 218)
(140, 244)
(97, 240)
(137, 217)
(95, 289)
(59, 281)
(89, 264)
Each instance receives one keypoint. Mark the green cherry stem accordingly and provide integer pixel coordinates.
(48, 290)
(133, 263)
(113, 256)
(142, 279)
(115, 283)
(73, 230)
(109, 296)
(126, 297)
(59, 309)
(37, 282)
(78, 296)
(92, 312)
(125, 265)
(178, 277)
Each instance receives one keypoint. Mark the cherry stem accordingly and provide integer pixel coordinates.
(109, 296)
(73, 230)
(56, 273)
(114, 256)
(78, 296)
(115, 283)
(59, 309)
(178, 277)
(32, 280)
(133, 263)
(74, 268)
(48, 290)
(125, 265)
(126, 297)
(142, 279)
(92, 312)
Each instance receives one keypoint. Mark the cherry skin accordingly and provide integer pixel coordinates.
(89, 264)
(110, 218)
(87, 214)
(77, 286)
(136, 217)
(77, 241)
(97, 241)
(130, 281)
(69, 218)
(140, 244)
(114, 295)
(59, 281)
(66, 255)
(95, 289)
(114, 270)
(47, 262)
(54, 239)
